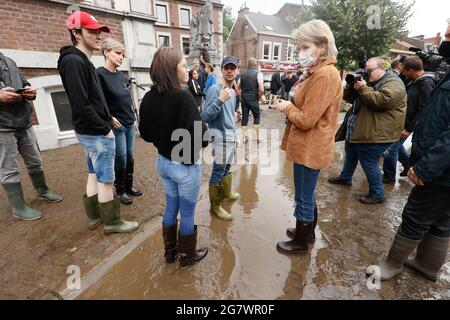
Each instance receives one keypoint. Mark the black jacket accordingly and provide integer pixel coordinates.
(430, 154)
(90, 113)
(161, 115)
(418, 92)
(15, 115)
(275, 81)
(196, 90)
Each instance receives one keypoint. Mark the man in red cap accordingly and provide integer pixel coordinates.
(92, 121)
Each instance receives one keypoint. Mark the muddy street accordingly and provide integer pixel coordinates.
(243, 262)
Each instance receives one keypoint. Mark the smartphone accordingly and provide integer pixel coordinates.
(19, 91)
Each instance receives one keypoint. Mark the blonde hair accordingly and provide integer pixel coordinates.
(110, 44)
(318, 32)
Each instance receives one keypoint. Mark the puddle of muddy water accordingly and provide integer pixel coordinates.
(243, 263)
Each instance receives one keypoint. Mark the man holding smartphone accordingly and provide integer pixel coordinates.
(92, 121)
(17, 135)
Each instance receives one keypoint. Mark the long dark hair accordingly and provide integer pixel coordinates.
(163, 70)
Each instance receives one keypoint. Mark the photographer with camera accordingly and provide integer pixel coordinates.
(17, 135)
(426, 216)
(421, 85)
(376, 121)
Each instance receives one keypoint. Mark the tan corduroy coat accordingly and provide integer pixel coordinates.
(313, 118)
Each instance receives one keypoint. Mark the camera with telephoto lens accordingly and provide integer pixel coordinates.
(432, 62)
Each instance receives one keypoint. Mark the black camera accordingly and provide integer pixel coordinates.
(432, 62)
(359, 75)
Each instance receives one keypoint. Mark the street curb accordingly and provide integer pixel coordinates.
(96, 273)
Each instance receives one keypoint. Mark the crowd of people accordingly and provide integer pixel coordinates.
(387, 107)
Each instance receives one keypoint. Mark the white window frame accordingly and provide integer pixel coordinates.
(61, 134)
(280, 46)
(181, 41)
(165, 34)
(180, 6)
(270, 50)
(290, 57)
(166, 4)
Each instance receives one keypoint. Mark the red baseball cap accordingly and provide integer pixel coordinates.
(81, 19)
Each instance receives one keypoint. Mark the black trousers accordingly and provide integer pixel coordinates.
(427, 210)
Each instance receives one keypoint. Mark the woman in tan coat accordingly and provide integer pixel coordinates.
(313, 118)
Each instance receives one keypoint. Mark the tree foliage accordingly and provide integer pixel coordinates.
(355, 28)
(228, 21)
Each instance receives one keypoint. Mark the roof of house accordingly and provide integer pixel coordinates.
(269, 24)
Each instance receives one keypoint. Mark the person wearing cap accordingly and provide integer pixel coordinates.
(219, 114)
(17, 135)
(92, 121)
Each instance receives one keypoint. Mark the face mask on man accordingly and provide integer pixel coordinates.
(444, 49)
(306, 59)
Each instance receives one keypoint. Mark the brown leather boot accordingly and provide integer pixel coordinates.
(300, 242)
(170, 243)
(187, 248)
(291, 231)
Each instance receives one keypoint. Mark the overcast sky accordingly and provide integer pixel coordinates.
(429, 17)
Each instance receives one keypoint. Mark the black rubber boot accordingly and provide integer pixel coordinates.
(170, 243)
(129, 180)
(291, 231)
(300, 242)
(120, 187)
(187, 247)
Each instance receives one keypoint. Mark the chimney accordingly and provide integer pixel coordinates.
(244, 10)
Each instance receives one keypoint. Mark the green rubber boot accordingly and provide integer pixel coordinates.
(38, 180)
(20, 209)
(92, 211)
(228, 195)
(110, 213)
(215, 197)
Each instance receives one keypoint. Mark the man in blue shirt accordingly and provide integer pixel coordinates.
(219, 114)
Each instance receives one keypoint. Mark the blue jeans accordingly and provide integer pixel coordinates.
(100, 152)
(252, 106)
(223, 153)
(368, 155)
(393, 154)
(182, 187)
(305, 181)
(125, 139)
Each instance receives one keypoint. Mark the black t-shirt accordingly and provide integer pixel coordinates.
(118, 95)
(289, 83)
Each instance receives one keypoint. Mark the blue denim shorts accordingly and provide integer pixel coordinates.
(100, 152)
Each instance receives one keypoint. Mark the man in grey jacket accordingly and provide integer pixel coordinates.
(17, 135)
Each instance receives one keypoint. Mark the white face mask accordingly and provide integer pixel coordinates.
(305, 59)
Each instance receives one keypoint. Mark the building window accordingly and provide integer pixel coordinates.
(62, 110)
(276, 52)
(163, 41)
(267, 51)
(185, 17)
(162, 13)
(290, 53)
(185, 44)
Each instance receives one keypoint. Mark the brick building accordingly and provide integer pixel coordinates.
(173, 22)
(268, 38)
(33, 31)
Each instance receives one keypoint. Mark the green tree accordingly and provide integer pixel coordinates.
(228, 22)
(362, 25)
